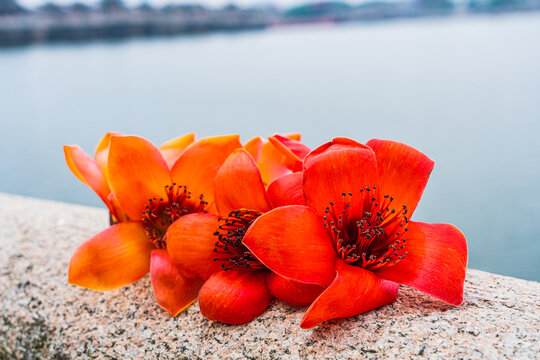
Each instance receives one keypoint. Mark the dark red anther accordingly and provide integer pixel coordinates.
(233, 255)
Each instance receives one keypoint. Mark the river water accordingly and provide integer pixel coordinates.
(466, 91)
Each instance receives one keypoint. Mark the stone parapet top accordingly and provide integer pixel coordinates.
(41, 316)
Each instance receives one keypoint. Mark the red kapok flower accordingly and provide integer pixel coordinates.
(354, 237)
(152, 197)
(93, 172)
(238, 287)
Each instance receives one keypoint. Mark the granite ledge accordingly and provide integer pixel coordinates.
(41, 316)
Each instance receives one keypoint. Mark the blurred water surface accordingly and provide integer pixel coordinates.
(466, 91)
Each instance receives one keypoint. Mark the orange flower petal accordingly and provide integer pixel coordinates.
(198, 165)
(286, 190)
(111, 259)
(211, 209)
(234, 297)
(271, 163)
(403, 171)
(253, 147)
(292, 291)
(435, 263)
(173, 292)
(294, 151)
(337, 167)
(238, 185)
(172, 149)
(87, 170)
(292, 242)
(353, 292)
(101, 154)
(118, 214)
(137, 173)
(191, 244)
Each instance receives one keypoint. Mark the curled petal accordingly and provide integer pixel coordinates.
(238, 185)
(403, 171)
(353, 292)
(292, 242)
(291, 145)
(191, 244)
(253, 147)
(435, 263)
(137, 173)
(198, 165)
(101, 154)
(234, 297)
(172, 149)
(173, 292)
(87, 170)
(111, 259)
(286, 190)
(339, 167)
(292, 291)
(293, 150)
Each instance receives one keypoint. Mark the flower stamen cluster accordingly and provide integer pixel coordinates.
(373, 240)
(230, 251)
(160, 213)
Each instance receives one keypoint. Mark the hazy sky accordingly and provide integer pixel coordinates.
(217, 3)
(214, 3)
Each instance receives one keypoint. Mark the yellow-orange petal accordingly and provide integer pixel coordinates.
(101, 154)
(198, 165)
(137, 173)
(111, 259)
(253, 147)
(191, 244)
(173, 148)
(238, 185)
(87, 170)
(173, 292)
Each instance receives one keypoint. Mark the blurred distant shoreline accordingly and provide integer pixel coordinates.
(112, 20)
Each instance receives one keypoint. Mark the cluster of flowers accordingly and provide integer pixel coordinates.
(236, 225)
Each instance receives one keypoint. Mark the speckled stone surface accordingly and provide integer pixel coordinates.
(41, 316)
